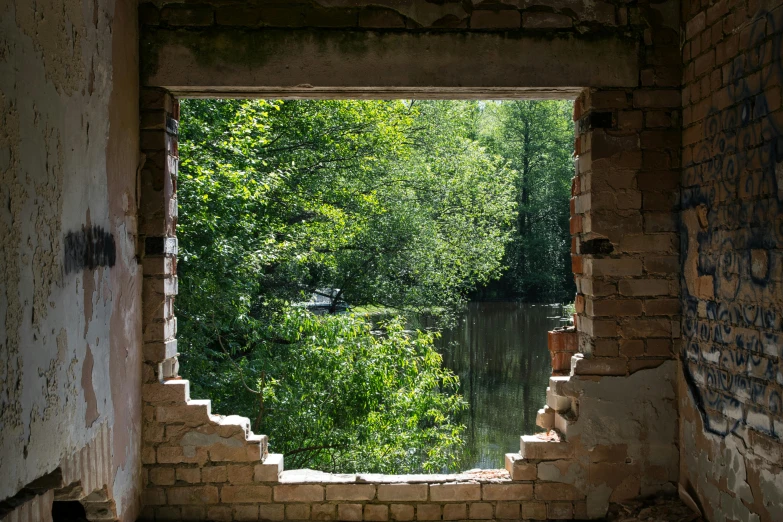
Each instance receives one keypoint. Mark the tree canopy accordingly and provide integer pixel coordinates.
(536, 139)
(390, 203)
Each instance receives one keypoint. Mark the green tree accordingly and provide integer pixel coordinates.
(536, 139)
(334, 395)
(392, 203)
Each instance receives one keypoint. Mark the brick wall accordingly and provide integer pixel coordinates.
(732, 258)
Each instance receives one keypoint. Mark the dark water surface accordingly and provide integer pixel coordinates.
(499, 350)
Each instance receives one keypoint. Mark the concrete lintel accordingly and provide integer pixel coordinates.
(369, 64)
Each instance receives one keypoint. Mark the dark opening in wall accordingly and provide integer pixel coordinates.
(68, 511)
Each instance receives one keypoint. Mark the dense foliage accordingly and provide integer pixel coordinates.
(536, 138)
(392, 203)
(336, 396)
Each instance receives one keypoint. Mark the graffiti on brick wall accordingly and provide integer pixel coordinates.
(732, 244)
(90, 247)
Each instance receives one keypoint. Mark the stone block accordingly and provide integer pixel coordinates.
(196, 513)
(240, 474)
(219, 513)
(480, 511)
(402, 512)
(533, 447)
(195, 413)
(662, 306)
(451, 492)
(614, 307)
(545, 418)
(163, 513)
(599, 365)
(375, 512)
(560, 511)
(402, 492)
(455, 511)
(350, 492)
(557, 402)
(189, 475)
(153, 496)
(507, 491)
(647, 328)
(349, 512)
(214, 474)
(245, 494)
(428, 512)
(299, 493)
(565, 340)
(271, 512)
(235, 453)
(270, 469)
(614, 267)
(534, 511)
(656, 99)
(192, 495)
(179, 454)
(507, 511)
(297, 511)
(162, 476)
(160, 351)
(632, 347)
(519, 468)
(245, 512)
(557, 491)
(323, 511)
(148, 455)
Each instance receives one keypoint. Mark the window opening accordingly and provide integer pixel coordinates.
(307, 226)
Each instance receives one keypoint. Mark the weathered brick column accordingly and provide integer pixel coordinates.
(157, 232)
(625, 229)
(615, 414)
(187, 452)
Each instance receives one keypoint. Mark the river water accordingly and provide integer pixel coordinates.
(499, 350)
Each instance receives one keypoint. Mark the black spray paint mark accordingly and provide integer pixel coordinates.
(90, 248)
(742, 139)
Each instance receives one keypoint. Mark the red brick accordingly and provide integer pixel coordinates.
(656, 98)
(662, 307)
(563, 341)
(614, 307)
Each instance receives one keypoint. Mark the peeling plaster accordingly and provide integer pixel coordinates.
(636, 418)
(58, 338)
(717, 468)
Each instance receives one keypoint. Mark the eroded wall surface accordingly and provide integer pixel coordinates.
(731, 394)
(615, 411)
(69, 281)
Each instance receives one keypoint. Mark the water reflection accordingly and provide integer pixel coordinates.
(499, 350)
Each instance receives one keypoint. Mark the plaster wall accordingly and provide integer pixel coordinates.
(69, 281)
(731, 236)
